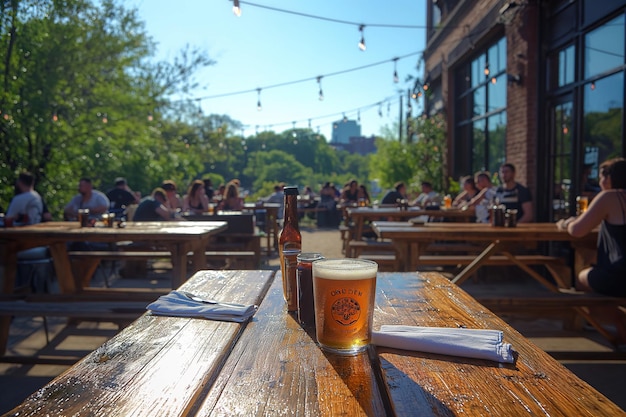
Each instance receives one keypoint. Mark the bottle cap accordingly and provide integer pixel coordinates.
(292, 190)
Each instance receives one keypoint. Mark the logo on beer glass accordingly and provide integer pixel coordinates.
(346, 311)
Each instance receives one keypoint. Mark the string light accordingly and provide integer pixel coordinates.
(362, 46)
(236, 8)
(592, 86)
(55, 117)
(321, 93)
(105, 119)
(345, 118)
(358, 117)
(380, 109)
(396, 79)
(486, 71)
(258, 99)
(150, 117)
(493, 80)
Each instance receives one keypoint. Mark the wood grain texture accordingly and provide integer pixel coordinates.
(436, 385)
(158, 365)
(277, 369)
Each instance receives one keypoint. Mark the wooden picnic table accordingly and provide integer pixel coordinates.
(360, 215)
(180, 239)
(412, 241)
(271, 222)
(185, 366)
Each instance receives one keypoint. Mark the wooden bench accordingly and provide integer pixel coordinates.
(244, 259)
(358, 247)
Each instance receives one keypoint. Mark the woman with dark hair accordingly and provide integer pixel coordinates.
(196, 200)
(469, 191)
(607, 209)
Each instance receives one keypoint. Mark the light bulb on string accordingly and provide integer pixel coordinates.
(362, 46)
(493, 80)
(105, 119)
(309, 123)
(486, 71)
(293, 133)
(345, 118)
(358, 116)
(319, 83)
(396, 79)
(592, 86)
(150, 117)
(426, 86)
(380, 109)
(236, 8)
(55, 117)
(258, 99)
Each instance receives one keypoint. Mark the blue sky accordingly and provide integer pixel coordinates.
(262, 48)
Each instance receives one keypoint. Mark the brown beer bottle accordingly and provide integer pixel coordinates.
(289, 247)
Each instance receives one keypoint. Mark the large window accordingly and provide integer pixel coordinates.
(603, 93)
(481, 111)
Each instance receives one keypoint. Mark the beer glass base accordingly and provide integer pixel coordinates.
(353, 351)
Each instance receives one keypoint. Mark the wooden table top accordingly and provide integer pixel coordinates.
(182, 366)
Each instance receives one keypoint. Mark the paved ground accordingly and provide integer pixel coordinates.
(76, 340)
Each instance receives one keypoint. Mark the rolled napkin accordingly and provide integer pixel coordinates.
(179, 304)
(469, 343)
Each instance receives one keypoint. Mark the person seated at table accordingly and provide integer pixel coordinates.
(153, 208)
(607, 209)
(485, 197)
(195, 200)
(514, 195)
(121, 196)
(208, 189)
(174, 202)
(277, 197)
(428, 196)
(231, 200)
(350, 193)
(87, 198)
(469, 191)
(27, 206)
(398, 193)
(363, 196)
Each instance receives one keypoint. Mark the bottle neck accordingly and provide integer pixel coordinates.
(291, 211)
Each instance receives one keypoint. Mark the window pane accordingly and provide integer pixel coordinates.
(480, 101)
(566, 66)
(604, 107)
(502, 54)
(562, 160)
(478, 146)
(497, 93)
(478, 70)
(497, 133)
(604, 47)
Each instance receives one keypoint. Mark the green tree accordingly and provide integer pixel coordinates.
(79, 96)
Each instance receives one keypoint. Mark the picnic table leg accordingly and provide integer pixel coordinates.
(179, 264)
(416, 249)
(531, 272)
(199, 259)
(63, 268)
(10, 271)
(470, 269)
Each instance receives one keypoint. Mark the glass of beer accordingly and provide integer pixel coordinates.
(581, 204)
(344, 292)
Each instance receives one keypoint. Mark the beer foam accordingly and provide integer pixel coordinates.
(344, 269)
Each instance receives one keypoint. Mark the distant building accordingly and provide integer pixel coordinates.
(359, 144)
(539, 83)
(343, 130)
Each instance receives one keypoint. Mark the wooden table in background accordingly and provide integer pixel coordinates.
(360, 215)
(182, 366)
(411, 242)
(180, 238)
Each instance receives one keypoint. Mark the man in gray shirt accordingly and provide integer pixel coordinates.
(87, 198)
(26, 207)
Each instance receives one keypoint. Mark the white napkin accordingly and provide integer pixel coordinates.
(469, 343)
(179, 305)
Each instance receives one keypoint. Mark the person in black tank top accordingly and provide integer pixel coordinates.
(607, 209)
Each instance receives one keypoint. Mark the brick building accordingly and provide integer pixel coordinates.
(539, 83)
